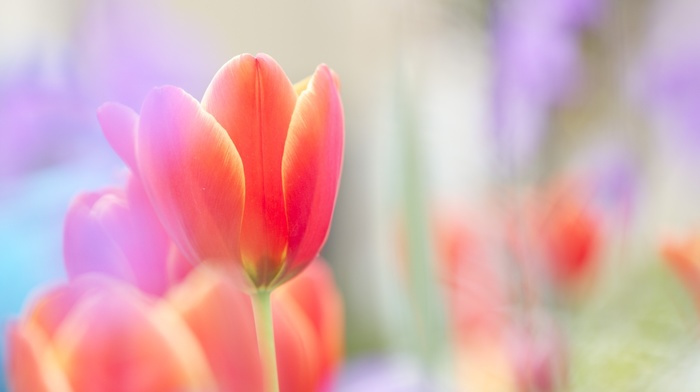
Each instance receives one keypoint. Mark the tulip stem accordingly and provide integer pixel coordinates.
(266, 338)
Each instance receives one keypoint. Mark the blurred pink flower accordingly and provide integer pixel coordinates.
(500, 343)
(475, 290)
(116, 232)
(539, 357)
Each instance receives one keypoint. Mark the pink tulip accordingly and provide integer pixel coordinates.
(116, 232)
(246, 180)
(99, 334)
(96, 333)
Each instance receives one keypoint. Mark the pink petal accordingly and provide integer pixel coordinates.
(118, 124)
(145, 242)
(119, 235)
(253, 100)
(311, 167)
(193, 176)
(87, 245)
(178, 267)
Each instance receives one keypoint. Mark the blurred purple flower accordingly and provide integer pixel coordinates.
(615, 181)
(536, 55)
(385, 374)
(37, 117)
(668, 78)
(611, 176)
(674, 93)
(118, 51)
(123, 49)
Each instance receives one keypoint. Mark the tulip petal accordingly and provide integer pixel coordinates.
(311, 166)
(87, 245)
(315, 293)
(177, 266)
(221, 318)
(118, 234)
(114, 339)
(32, 365)
(144, 241)
(298, 347)
(192, 174)
(54, 305)
(252, 98)
(119, 124)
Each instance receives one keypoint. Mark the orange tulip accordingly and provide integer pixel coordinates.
(101, 334)
(246, 180)
(683, 256)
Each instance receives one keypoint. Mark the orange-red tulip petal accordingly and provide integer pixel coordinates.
(252, 98)
(315, 293)
(311, 166)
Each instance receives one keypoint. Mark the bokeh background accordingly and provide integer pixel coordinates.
(457, 104)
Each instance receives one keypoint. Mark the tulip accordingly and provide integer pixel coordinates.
(246, 180)
(116, 232)
(308, 333)
(97, 333)
(683, 256)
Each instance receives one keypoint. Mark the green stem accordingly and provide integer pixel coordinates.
(266, 338)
